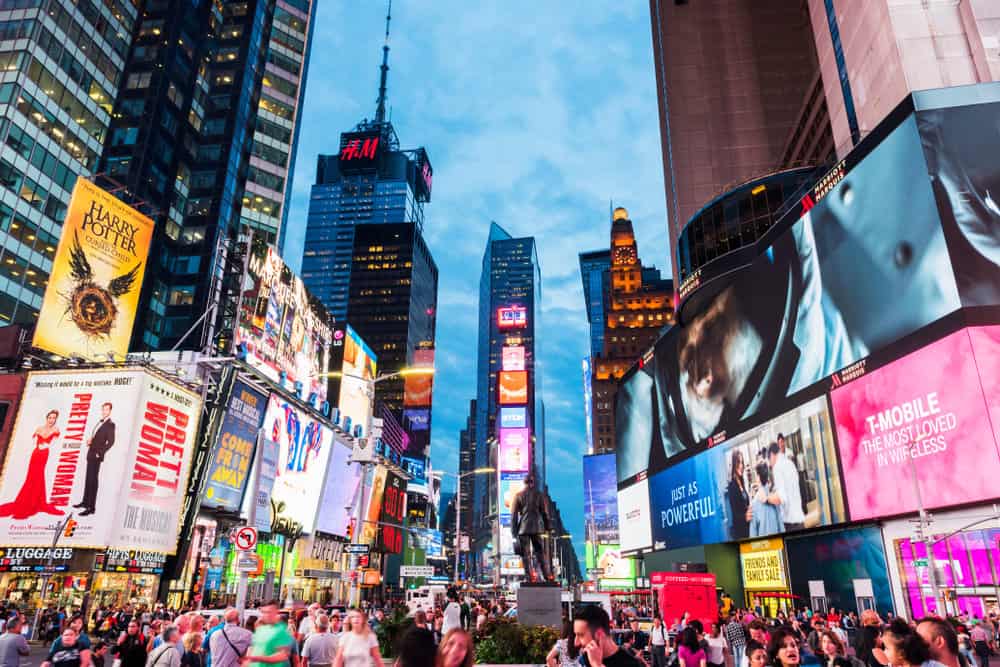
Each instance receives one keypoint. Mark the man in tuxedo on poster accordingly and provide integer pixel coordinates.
(102, 438)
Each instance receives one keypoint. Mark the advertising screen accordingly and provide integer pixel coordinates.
(924, 415)
(232, 455)
(283, 330)
(513, 387)
(416, 467)
(359, 367)
(634, 526)
(375, 489)
(763, 564)
(515, 449)
(119, 443)
(417, 419)
(512, 317)
(600, 498)
(304, 448)
(418, 389)
(618, 573)
(513, 417)
(393, 512)
(359, 151)
(340, 492)
(795, 315)
(513, 358)
(93, 288)
(511, 484)
(778, 477)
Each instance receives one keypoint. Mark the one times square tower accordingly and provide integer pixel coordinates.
(366, 259)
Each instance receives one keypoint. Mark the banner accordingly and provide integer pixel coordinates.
(418, 389)
(778, 477)
(924, 415)
(634, 526)
(232, 456)
(93, 288)
(763, 565)
(340, 492)
(113, 448)
(268, 469)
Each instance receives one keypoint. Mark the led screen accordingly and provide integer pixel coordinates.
(634, 524)
(511, 484)
(515, 449)
(233, 452)
(513, 387)
(419, 388)
(778, 477)
(600, 498)
(513, 358)
(618, 572)
(358, 369)
(513, 417)
(924, 415)
(417, 419)
(340, 492)
(512, 317)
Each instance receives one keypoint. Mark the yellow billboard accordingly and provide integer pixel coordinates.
(763, 565)
(93, 290)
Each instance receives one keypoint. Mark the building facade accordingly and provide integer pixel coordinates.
(62, 66)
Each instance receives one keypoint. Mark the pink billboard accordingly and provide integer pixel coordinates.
(923, 415)
(515, 449)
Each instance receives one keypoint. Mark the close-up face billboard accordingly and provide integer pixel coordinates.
(922, 417)
(778, 477)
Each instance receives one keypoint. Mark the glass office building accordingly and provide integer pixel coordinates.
(61, 64)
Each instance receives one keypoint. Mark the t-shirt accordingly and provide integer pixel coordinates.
(689, 658)
(452, 617)
(12, 647)
(269, 640)
(716, 649)
(357, 649)
(66, 657)
(82, 641)
(622, 658)
(320, 648)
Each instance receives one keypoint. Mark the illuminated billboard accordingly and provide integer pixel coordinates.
(233, 452)
(358, 370)
(513, 387)
(515, 449)
(634, 525)
(93, 288)
(512, 358)
(600, 498)
(416, 468)
(516, 417)
(418, 388)
(617, 572)
(340, 492)
(393, 513)
(360, 151)
(417, 419)
(925, 415)
(374, 488)
(112, 447)
(283, 331)
(588, 401)
(797, 313)
(777, 477)
(511, 484)
(304, 449)
(512, 317)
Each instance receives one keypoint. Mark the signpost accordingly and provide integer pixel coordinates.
(416, 571)
(246, 538)
(357, 549)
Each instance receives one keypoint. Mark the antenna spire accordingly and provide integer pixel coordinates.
(380, 108)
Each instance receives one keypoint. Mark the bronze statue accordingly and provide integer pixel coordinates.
(529, 521)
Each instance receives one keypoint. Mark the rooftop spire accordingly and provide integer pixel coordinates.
(380, 108)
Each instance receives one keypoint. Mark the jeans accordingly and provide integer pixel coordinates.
(738, 653)
(659, 656)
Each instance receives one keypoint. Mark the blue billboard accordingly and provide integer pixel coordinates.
(600, 498)
(232, 455)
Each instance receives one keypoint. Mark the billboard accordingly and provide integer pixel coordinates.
(516, 417)
(340, 492)
(512, 317)
(796, 315)
(416, 467)
(359, 367)
(515, 449)
(375, 489)
(360, 151)
(418, 389)
(232, 455)
(511, 484)
(618, 572)
(512, 358)
(393, 512)
(634, 525)
(924, 416)
(777, 477)
(112, 447)
(283, 331)
(93, 288)
(600, 498)
(763, 564)
(304, 449)
(588, 404)
(513, 387)
(417, 419)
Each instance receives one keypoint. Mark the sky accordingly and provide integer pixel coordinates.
(534, 114)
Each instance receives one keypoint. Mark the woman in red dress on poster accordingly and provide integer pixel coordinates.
(33, 498)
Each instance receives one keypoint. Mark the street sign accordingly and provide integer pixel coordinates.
(416, 571)
(247, 563)
(357, 548)
(597, 571)
(246, 538)
(920, 562)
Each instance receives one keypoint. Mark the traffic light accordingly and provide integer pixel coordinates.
(350, 530)
(70, 528)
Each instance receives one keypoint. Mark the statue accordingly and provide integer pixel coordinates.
(529, 521)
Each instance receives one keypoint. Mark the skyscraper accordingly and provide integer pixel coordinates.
(62, 64)
(595, 271)
(510, 413)
(202, 139)
(366, 258)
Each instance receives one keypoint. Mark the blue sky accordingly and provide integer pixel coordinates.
(534, 114)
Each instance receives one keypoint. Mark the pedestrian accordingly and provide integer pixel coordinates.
(942, 639)
(659, 642)
(416, 648)
(783, 651)
(716, 651)
(456, 649)
(68, 651)
(229, 644)
(869, 638)
(592, 635)
(131, 646)
(320, 647)
(452, 613)
(98, 653)
(689, 652)
(214, 624)
(756, 654)
(980, 642)
(736, 638)
(564, 653)
(902, 646)
(271, 639)
(13, 645)
(359, 647)
(832, 652)
(308, 624)
(193, 656)
(165, 654)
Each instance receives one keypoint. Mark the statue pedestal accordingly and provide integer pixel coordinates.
(539, 604)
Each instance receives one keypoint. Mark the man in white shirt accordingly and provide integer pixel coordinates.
(786, 494)
(308, 624)
(452, 613)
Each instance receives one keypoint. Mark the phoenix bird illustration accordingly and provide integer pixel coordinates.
(92, 307)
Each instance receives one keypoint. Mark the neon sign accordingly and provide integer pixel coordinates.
(512, 317)
(359, 150)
